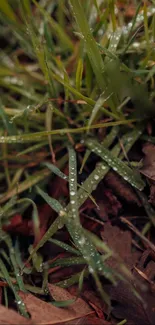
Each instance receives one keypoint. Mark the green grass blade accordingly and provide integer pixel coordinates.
(65, 246)
(20, 304)
(68, 261)
(91, 47)
(54, 204)
(56, 28)
(116, 164)
(7, 10)
(79, 72)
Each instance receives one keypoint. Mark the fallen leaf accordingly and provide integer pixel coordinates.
(45, 313)
(152, 194)
(88, 320)
(120, 242)
(9, 316)
(125, 302)
(121, 188)
(148, 168)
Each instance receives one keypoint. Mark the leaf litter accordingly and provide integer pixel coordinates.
(76, 216)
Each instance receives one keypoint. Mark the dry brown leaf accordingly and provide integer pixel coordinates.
(88, 320)
(44, 313)
(9, 316)
(120, 242)
(121, 188)
(148, 168)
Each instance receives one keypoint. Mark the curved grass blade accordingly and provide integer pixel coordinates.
(55, 170)
(37, 260)
(116, 164)
(7, 239)
(68, 261)
(72, 280)
(99, 103)
(35, 216)
(20, 304)
(65, 246)
(54, 204)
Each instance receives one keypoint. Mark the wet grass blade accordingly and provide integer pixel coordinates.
(116, 164)
(68, 261)
(65, 246)
(91, 47)
(75, 229)
(54, 204)
(20, 304)
(55, 170)
(72, 280)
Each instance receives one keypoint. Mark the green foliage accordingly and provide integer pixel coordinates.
(67, 77)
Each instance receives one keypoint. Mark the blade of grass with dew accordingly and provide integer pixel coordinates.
(72, 280)
(8, 241)
(54, 204)
(76, 231)
(90, 184)
(38, 136)
(45, 279)
(20, 304)
(65, 246)
(99, 103)
(91, 48)
(107, 141)
(116, 164)
(102, 168)
(114, 42)
(55, 170)
(68, 261)
(59, 173)
(37, 260)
